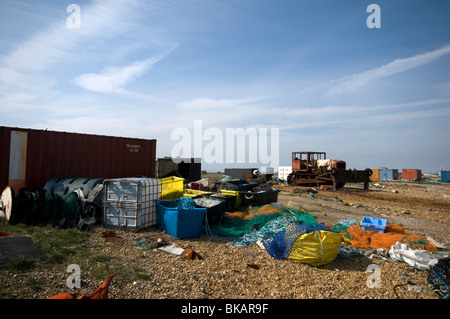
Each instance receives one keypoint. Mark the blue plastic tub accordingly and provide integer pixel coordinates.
(374, 224)
(177, 222)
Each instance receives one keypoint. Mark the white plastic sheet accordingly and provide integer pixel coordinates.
(416, 258)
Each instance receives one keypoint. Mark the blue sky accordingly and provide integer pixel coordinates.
(313, 69)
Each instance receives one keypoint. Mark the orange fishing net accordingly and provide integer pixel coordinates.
(260, 210)
(364, 239)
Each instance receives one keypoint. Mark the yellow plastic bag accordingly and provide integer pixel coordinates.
(316, 248)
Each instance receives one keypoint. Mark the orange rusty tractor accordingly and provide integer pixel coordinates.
(313, 168)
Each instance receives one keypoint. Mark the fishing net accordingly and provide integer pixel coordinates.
(181, 203)
(281, 245)
(269, 229)
(237, 227)
(269, 209)
(63, 211)
(261, 222)
(41, 207)
(366, 239)
(438, 278)
(342, 225)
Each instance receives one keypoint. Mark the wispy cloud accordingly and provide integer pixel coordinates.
(113, 79)
(355, 81)
(214, 104)
(52, 43)
(24, 72)
(360, 116)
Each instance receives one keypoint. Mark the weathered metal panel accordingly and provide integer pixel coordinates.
(445, 176)
(388, 174)
(375, 175)
(51, 154)
(412, 174)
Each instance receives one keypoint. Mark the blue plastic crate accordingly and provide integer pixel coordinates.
(179, 223)
(374, 224)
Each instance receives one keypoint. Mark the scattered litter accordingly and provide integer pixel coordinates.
(254, 266)
(379, 253)
(85, 223)
(190, 254)
(410, 285)
(111, 237)
(438, 245)
(140, 243)
(394, 191)
(160, 241)
(172, 249)
(294, 205)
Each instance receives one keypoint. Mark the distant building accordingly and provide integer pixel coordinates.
(190, 169)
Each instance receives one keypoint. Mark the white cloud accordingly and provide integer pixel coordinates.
(355, 81)
(113, 79)
(51, 44)
(212, 104)
(25, 71)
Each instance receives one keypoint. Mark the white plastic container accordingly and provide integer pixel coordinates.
(128, 203)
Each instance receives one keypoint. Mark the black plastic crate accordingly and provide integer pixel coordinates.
(230, 201)
(235, 185)
(259, 198)
(214, 213)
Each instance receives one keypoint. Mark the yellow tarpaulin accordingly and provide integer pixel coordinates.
(316, 248)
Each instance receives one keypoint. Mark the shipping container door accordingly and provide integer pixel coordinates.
(17, 160)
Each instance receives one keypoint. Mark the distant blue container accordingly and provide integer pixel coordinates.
(445, 176)
(374, 224)
(177, 222)
(388, 174)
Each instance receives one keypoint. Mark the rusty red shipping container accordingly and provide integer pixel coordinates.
(30, 158)
(412, 174)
